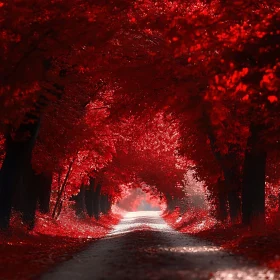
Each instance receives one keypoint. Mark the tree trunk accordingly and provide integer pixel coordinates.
(18, 156)
(9, 177)
(31, 181)
(222, 213)
(108, 204)
(234, 206)
(89, 197)
(18, 197)
(229, 166)
(37, 188)
(103, 204)
(80, 202)
(44, 185)
(253, 187)
(58, 204)
(222, 209)
(170, 203)
(96, 201)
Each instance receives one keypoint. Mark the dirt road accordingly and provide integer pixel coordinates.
(143, 246)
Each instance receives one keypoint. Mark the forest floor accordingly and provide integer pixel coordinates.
(262, 247)
(144, 246)
(25, 255)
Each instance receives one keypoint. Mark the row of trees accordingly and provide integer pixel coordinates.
(217, 73)
(100, 96)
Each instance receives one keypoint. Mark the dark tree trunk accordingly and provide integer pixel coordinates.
(253, 188)
(18, 197)
(103, 204)
(88, 200)
(171, 204)
(234, 206)
(108, 204)
(96, 201)
(222, 208)
(31, 181)
(59, 201)
(44, 189)
(9, 177)
(89, 197)
(229, 167)
(17, 159)
(222, 212)
(36, 188)
(80, 202)
(233, 185)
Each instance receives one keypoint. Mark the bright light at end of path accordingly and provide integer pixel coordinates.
(140, 214)
(134, 220)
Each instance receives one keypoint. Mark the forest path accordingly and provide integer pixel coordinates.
(143, 246)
